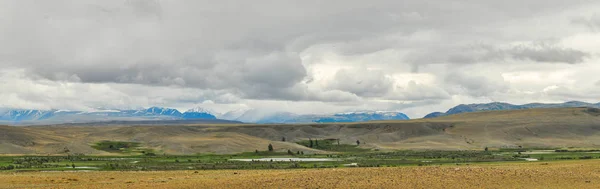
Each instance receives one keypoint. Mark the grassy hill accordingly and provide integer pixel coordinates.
(531, 128)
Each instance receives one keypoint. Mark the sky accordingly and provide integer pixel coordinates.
(304, 57)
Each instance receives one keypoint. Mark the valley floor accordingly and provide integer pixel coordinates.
(553, 174)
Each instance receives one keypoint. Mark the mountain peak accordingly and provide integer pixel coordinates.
(200, 110)
(198, 113)
(161, 111)
(463, 108)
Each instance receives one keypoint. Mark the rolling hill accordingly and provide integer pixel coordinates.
(550, 127)
(464, 108)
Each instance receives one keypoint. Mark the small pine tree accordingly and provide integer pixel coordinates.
(256, 151)
(310, 145)
(283, 139)
(316, 142)
(298, 153)
(357, 142)
(270, 148)
(486, 149)
(301, 152)
(73, 165)
(290, 152)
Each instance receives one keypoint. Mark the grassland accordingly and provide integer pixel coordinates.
(539, 128)
(281, 160)
(537, 148)
(559, 174)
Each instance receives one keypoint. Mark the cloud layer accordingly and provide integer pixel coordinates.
(298, 56)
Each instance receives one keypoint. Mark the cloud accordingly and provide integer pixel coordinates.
(362, 82)
(332, 55)
(474, 84)
(591, 22)
(414, 91)
(543, 52)
(537, 51)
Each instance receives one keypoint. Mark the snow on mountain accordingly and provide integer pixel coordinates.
(198, 113)
(68, 116)
(256, 116)
(363, 116)
(159, 111)
(20, 115)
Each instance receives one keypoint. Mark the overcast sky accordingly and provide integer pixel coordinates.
(304, 56)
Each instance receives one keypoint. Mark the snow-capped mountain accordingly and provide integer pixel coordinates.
(19, 116)
(159, 111)
(256, 116)
(363, 116)
(199, 113)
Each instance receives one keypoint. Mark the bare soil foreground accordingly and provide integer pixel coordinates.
(559, 174)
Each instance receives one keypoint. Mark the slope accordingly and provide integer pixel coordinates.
(552, 128)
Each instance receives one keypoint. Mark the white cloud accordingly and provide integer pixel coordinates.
(309, 57)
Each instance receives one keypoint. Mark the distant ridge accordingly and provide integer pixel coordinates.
(346, 117)
(154, 122)
(464, 108)
(160, 115)
(36, 117)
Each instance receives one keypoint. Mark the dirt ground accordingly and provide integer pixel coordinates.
(563, 174)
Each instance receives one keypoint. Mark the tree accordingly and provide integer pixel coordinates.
(486, 149)
(301, 152)
(270, 148)
(311, 143)
(338, 141)
(357, 142)
(66, 150)
(298, 153)
(290, 152)
(73, 165)
(256, 151)
(316, 142)
(283, 139)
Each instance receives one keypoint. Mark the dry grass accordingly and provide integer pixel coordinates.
(565, 174)
(552, 128)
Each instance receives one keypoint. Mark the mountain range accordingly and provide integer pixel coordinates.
(334, 118)
(24, 117)
(464, 108)
(35, 117)
(21, 116)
